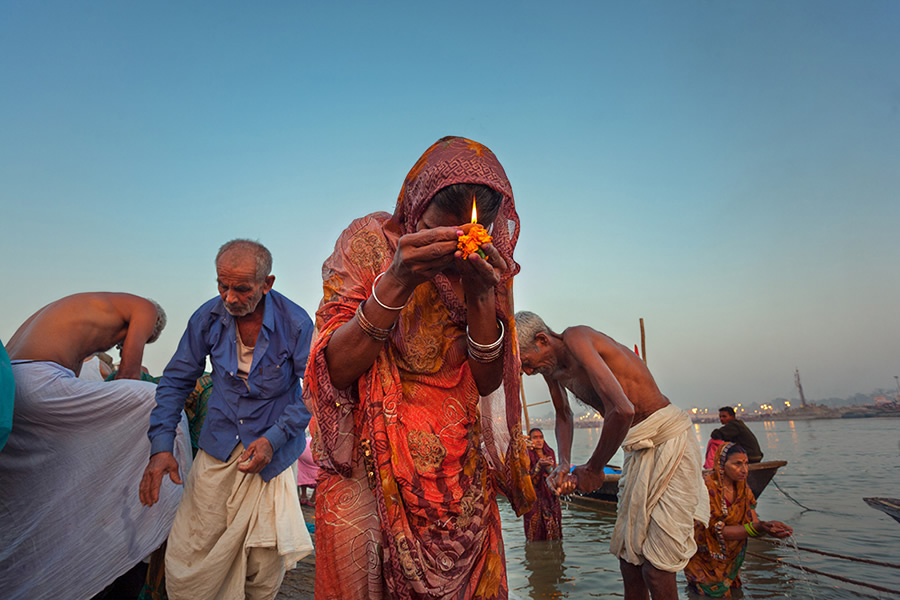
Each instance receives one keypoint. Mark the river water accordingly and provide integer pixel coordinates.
(832, 465)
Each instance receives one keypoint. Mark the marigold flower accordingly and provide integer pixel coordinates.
(471, 242)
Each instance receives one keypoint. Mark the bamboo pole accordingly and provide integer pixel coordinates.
(643, 342)
(524, 405)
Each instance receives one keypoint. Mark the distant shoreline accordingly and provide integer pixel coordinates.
(815, 412)
(810, 413)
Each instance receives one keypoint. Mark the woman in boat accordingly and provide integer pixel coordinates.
(414, 381)
(544, 521)
(714, 569)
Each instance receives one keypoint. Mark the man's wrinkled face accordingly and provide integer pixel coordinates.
(724, 417)
(538, 358)
(238, 285)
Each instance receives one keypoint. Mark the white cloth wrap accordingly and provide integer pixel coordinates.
(90, 370)
(661, 492)
(495, 438)
(71, 518)
(235, 534)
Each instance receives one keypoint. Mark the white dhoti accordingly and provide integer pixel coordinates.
(661, 492)
(235, 534)
(70, 517)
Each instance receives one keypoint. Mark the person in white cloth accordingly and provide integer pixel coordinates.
(71, 522)
(239, 525)
(661, 490)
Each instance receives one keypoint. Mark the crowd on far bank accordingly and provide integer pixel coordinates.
(408, 378)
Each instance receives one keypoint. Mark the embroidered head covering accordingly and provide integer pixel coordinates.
(453, 160)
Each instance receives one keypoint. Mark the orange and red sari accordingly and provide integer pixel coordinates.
(715, 569)
(412, 457)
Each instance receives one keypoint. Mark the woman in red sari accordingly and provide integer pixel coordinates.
(414, 383)
(544, 521)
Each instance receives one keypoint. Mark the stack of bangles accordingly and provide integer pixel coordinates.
(376, 333)
(751, 530)
(485, 353)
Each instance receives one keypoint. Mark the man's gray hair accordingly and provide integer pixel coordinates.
(160, 322)
(528, 325)
(259, 252)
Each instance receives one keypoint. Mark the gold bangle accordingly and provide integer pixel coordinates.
(376, 333)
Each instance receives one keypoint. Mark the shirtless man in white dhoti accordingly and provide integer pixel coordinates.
(71, 521)
(661, 493)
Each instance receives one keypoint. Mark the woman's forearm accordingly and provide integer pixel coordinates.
(740, 532)
(485, 330)
(351, 350)
(735, 532)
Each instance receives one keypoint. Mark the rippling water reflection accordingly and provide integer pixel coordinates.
(832, 465)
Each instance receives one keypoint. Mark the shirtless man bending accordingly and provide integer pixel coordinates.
(74, 459)
(663, 490)
(71, 329)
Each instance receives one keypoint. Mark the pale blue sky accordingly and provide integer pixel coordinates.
(729, 171)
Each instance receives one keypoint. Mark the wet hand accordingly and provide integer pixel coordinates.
(255, 456)
(160, 464)
(588, 480)
(560, 481)
(776, 529)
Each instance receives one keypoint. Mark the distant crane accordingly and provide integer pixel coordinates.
(799, 386)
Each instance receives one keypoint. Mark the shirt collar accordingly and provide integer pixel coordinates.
(268, 315)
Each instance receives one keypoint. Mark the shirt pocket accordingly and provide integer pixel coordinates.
(273, 378)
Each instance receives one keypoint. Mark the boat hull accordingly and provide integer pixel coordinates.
(889, 506)
(758, 478)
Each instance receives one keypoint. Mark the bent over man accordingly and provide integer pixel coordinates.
(71, 522)
(661, 492)
(239, 525)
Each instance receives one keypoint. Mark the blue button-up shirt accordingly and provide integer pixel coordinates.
(268, 405)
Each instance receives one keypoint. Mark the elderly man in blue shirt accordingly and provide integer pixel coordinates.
(239, 525)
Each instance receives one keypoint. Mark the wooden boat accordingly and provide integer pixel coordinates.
(889, 506)
(760, 475)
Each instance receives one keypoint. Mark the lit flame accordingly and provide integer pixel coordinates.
(474, 212)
